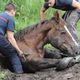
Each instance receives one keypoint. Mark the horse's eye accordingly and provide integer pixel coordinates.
(63, 32)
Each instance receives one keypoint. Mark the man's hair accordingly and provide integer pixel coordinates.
(10, 6)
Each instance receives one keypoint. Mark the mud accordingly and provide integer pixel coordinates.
(72, 73)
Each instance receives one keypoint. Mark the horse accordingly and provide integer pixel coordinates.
(31, 40)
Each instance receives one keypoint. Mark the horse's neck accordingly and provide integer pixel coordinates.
(45, 26)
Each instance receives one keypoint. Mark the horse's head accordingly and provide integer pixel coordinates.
(60, 37)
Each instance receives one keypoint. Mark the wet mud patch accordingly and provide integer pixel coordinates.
(72, 73)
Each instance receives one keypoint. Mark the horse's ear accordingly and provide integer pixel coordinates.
(57, 16)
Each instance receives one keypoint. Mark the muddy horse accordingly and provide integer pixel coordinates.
(31, 41)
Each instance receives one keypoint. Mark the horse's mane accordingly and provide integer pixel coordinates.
(19, 35)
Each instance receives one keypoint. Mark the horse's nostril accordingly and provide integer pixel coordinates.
(76, 53)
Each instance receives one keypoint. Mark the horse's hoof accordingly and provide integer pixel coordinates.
(65, 63)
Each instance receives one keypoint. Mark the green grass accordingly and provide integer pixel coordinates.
(3, 75)
(27, 12)
(78, 29)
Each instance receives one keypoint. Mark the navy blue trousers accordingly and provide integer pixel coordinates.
(10, 52)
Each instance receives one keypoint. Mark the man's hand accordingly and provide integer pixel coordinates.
(51, 3)
(22, 55)
(42, 13)
(12, 40)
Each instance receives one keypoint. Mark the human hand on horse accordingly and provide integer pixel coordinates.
(22, 55)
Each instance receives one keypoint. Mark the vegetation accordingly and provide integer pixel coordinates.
(28, 12)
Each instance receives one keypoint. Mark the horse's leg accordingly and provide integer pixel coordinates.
(39, 64)
(51, 53)
(58, 64)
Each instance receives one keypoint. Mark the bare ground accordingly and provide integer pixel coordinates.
(72, 73)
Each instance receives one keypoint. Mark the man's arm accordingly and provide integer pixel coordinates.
(42, 10)
(10, 36)
(47, 4)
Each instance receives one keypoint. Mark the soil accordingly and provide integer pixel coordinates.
(72, 73)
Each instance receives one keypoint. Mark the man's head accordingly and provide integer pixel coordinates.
(10, 7)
